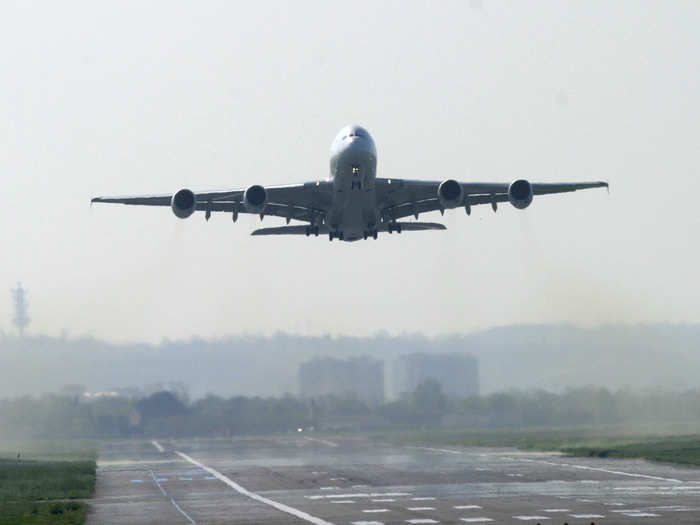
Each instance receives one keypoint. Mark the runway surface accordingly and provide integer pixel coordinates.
(301, 480)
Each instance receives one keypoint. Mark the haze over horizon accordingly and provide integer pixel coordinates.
(135, 98)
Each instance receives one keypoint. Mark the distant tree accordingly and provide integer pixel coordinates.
(429, 398)
(19, 300)
(160, 404)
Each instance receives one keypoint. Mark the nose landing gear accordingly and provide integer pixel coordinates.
(335, 235)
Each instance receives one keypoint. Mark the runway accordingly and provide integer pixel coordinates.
(296, 479)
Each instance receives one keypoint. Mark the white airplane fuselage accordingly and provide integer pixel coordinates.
(354, 214)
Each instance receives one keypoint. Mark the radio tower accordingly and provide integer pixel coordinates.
(21, 318)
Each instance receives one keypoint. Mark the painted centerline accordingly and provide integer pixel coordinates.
(257, 497)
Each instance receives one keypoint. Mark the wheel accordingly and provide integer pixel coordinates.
(308, 231)
(374, 235)
(398, 228)
(330, 236)
(316, 231)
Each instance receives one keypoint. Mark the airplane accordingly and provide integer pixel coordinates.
(352, 203)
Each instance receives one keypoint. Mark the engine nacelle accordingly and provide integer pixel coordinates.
(183, 203)
(520, 193)
(255, 198)
(450, 193)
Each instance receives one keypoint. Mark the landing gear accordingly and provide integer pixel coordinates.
(367, 233)
(335, 235)
(394, 227)
(312, 230)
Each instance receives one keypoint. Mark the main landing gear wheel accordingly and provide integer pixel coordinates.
(335, 235)
(394, 227)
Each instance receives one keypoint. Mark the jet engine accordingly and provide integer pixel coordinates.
(520, 193)
(255, 198)
(450, 193)
(183, 203)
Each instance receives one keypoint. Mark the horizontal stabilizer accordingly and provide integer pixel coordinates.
(413, 226)
(289, 230)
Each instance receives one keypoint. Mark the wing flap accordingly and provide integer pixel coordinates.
(289, 230)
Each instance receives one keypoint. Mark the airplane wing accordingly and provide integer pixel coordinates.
(397, 198)
(323, 229)
(295, 201)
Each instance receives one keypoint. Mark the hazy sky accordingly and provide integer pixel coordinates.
(101, 98)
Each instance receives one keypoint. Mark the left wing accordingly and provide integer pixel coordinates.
(304, 202)
(397, 198)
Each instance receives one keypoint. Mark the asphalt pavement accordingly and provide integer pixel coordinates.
(302, 479)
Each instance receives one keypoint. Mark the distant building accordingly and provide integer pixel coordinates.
(457, 373)
(19, 301)
(359, 377)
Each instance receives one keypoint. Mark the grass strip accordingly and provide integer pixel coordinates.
(42, 472)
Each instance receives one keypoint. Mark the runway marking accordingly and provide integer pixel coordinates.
(360, 495)
(182, 511)
(479, 519)
(374, 511)
(342, 501)
(442, 450)
(556, 510)
(422, 521)
(531, 518)
(467, 507)
(324, 442)
(423, 499)
(621, 473)
(586, 516)
(185, 479)
(157, 482)
(640, 514)
(136, 481)
(162, 491)
(329, 488)
(581, 467)
(367, 523)
(675, 508)
(158, 446)
(420, 508)
(337, 479)
(383, 500)
(252, 495)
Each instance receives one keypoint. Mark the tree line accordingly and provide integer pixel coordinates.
(70, 415)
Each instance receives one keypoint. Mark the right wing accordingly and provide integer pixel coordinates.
(398, 198)
(304, 202)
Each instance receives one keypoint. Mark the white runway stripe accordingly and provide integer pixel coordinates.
(257, 497)
(162, 490)
(182, 511)
(157, 482)
(158, 446)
